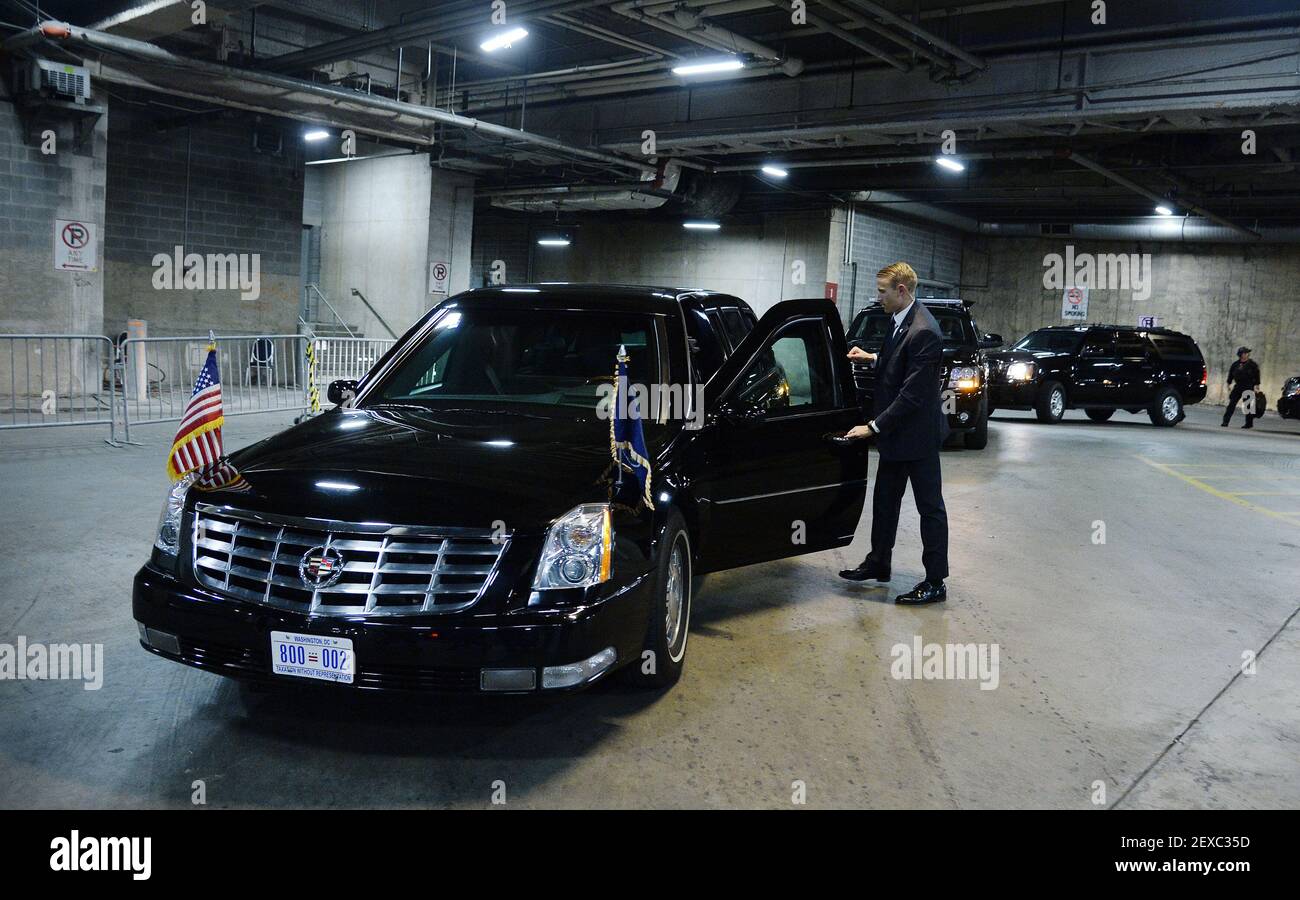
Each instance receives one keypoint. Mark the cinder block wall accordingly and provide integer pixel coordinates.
(36, 189)
(1223, 295)
(196, 181)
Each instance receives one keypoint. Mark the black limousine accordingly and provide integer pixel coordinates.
(456, 524)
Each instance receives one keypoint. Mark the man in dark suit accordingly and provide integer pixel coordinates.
(909, 427)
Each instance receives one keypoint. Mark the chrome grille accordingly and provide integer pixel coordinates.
(387, 570)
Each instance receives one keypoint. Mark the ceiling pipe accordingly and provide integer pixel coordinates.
(1152, 195)
(702, 31)
(928, 36)
(847, 37)
(96, 40)
(860, 21)
(915, 158)
(560, 20)
(434, 25)
(1178, 230)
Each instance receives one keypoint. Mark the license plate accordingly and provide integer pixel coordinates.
(312, 656)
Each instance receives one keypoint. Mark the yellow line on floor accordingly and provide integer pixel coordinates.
(1215, 492)
(1263, 493)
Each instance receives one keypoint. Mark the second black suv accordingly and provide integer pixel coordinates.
(1099, 369)
(964, 374)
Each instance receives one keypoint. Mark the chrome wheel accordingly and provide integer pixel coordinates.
(1057, 403)
(1169, 408)
(675, 598)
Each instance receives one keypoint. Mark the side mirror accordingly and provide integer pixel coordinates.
(340, 392)
(989, 341)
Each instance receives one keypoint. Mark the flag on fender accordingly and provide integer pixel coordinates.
(626, 434)
(198, 439)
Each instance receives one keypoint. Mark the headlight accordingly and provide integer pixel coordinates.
(577, 549)
(1020, 371)
(964, 378)
(169, 522)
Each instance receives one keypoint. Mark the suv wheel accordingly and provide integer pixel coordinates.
(978, 437)
(1050, 405)
(1167, 410)
(664, 651)
(1100, 415)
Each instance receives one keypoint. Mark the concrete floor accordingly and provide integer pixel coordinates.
(1119, 663)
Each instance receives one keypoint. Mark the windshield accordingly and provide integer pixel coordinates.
(874, 326)
(1050, 341)
(540, 357)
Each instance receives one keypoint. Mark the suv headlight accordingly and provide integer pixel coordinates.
(169, 521)
(965, 378)
(1020, 371)
(577, 549)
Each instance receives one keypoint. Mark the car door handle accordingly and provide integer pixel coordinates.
(838, 439)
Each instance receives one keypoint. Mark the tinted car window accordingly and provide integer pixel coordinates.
(555, 358)
(874, 326)
(1131, 344)
(1176, 347)
(1050, 341)
(1099, 343)
(792, 374)
(735, 326)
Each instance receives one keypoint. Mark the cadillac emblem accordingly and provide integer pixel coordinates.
(320, 567)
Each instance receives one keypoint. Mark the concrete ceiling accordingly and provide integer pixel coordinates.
(856, 99)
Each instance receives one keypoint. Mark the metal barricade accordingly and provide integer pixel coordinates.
(259, 373)
(347, 358)
(57, 379)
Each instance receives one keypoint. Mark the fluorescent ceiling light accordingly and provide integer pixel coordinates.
(505, 39)
(1163, 210)
(702, 226)
(316, 134)
(553, 242)
(710, 66)
(949, 163)
(775, 171)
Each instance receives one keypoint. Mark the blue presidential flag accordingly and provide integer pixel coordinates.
(626, 436)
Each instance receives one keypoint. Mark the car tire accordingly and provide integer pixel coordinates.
(1167, 410)
(978, 437)
(1050, 405)
(1099, 415)
(667, 633)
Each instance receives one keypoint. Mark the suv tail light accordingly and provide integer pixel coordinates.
(1205, 375)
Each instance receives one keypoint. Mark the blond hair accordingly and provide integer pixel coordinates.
(900, 273)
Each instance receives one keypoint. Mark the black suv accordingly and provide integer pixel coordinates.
(457, 524)
(1099, 369)
(964, 374)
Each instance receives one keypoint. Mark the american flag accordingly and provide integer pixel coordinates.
(198, 440)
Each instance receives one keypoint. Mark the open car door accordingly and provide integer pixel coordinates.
(777, 478)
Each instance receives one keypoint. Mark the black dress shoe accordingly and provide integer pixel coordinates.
(925, 592)
(868, 569)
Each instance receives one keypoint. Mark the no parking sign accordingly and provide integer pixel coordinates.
(74, 246)
(439, 272)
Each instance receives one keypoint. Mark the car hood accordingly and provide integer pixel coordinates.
(413, 466)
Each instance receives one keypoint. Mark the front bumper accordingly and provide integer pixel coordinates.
(439, 653)
(1013, 394)
(1289, 407)
(966, 413)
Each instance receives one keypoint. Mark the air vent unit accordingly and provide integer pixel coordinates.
(41, 76)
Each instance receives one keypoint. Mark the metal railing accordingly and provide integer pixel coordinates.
(259, 373)
(57, 379)
(83, 379)
(347, 358)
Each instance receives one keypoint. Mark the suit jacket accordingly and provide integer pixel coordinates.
(908, 397)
